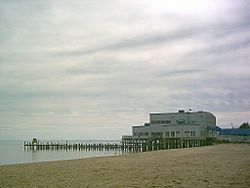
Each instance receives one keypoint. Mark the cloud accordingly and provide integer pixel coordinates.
(181, 72)
(90, 66)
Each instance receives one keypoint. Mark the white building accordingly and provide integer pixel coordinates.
(177, 125)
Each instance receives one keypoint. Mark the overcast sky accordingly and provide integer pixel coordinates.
(91, 69)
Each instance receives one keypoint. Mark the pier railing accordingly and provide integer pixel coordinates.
(71, 146)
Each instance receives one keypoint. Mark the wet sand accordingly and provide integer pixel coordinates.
(225, 165)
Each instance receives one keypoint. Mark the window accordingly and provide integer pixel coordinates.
(163, 122)
(153, 122)
(192, 133)
(172, 134)
(178, 134)
(167, 133)
(168, 121)
(136, 134)
(142, 134)
(157, 134)
(202, 133)
(186, 133)
(180, 121)
(158, 122)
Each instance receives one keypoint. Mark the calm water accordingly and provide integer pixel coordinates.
(12, 152)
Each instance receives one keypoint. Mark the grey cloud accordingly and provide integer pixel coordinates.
(214, 100)
(209, 32)
(221, 49)
(181, 72)
(227, 48)
(50, 93)
(133, 42)
(225, 28)
(153, 39)
(97, 67)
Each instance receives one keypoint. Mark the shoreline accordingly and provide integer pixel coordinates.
(210, 166)
(62, 160)
(57, 160)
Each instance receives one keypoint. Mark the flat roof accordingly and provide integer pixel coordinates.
(163, 113)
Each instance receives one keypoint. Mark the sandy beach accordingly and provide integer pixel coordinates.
(225, 165)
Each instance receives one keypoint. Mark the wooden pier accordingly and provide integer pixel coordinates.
(128, 144)
(71, 146)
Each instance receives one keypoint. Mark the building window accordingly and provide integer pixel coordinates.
(153, 122)
(178, 134)
(180, 121)
(193, 121)
(168, 121)
(163, 122)
(142, 134)
(167, 133)
(186, 133)
(136, 134)
(172, 134)
(192, 133)
(158, 122)
(156, 134)
(203, 133)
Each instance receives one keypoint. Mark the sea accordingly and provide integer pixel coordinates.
(13, 152)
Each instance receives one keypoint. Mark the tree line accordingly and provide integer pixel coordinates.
(244, 125)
